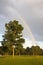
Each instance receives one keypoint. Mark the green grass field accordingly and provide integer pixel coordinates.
(21, 60)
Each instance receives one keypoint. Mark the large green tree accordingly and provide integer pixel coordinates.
(13, 36)
(36, 50)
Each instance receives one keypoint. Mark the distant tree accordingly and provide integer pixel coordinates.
(13, 36)
(41, 51)
(22, 51)
(1, 51)
(35, 50)
(38, 50)
(27, 51)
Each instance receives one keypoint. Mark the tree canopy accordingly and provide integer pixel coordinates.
(13, 35)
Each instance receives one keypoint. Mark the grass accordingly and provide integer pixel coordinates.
(21, 60)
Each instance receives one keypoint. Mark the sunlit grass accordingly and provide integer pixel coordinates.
(21, 60)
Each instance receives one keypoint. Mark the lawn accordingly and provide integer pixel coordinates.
(21, 60)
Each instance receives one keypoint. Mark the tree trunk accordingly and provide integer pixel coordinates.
(13, 51)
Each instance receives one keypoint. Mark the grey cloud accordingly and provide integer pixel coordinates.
(31, 10)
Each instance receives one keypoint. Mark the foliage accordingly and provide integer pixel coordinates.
(36, 50)
(13, 36)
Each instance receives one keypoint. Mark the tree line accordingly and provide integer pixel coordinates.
(34, 50)
(13, 37)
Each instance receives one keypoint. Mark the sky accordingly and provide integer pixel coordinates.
(29, 11)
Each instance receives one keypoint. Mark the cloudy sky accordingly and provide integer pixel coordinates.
(29, 11)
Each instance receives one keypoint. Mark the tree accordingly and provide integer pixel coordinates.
(27, 51)
(1, 51)
(13, 36)
(36, 50)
